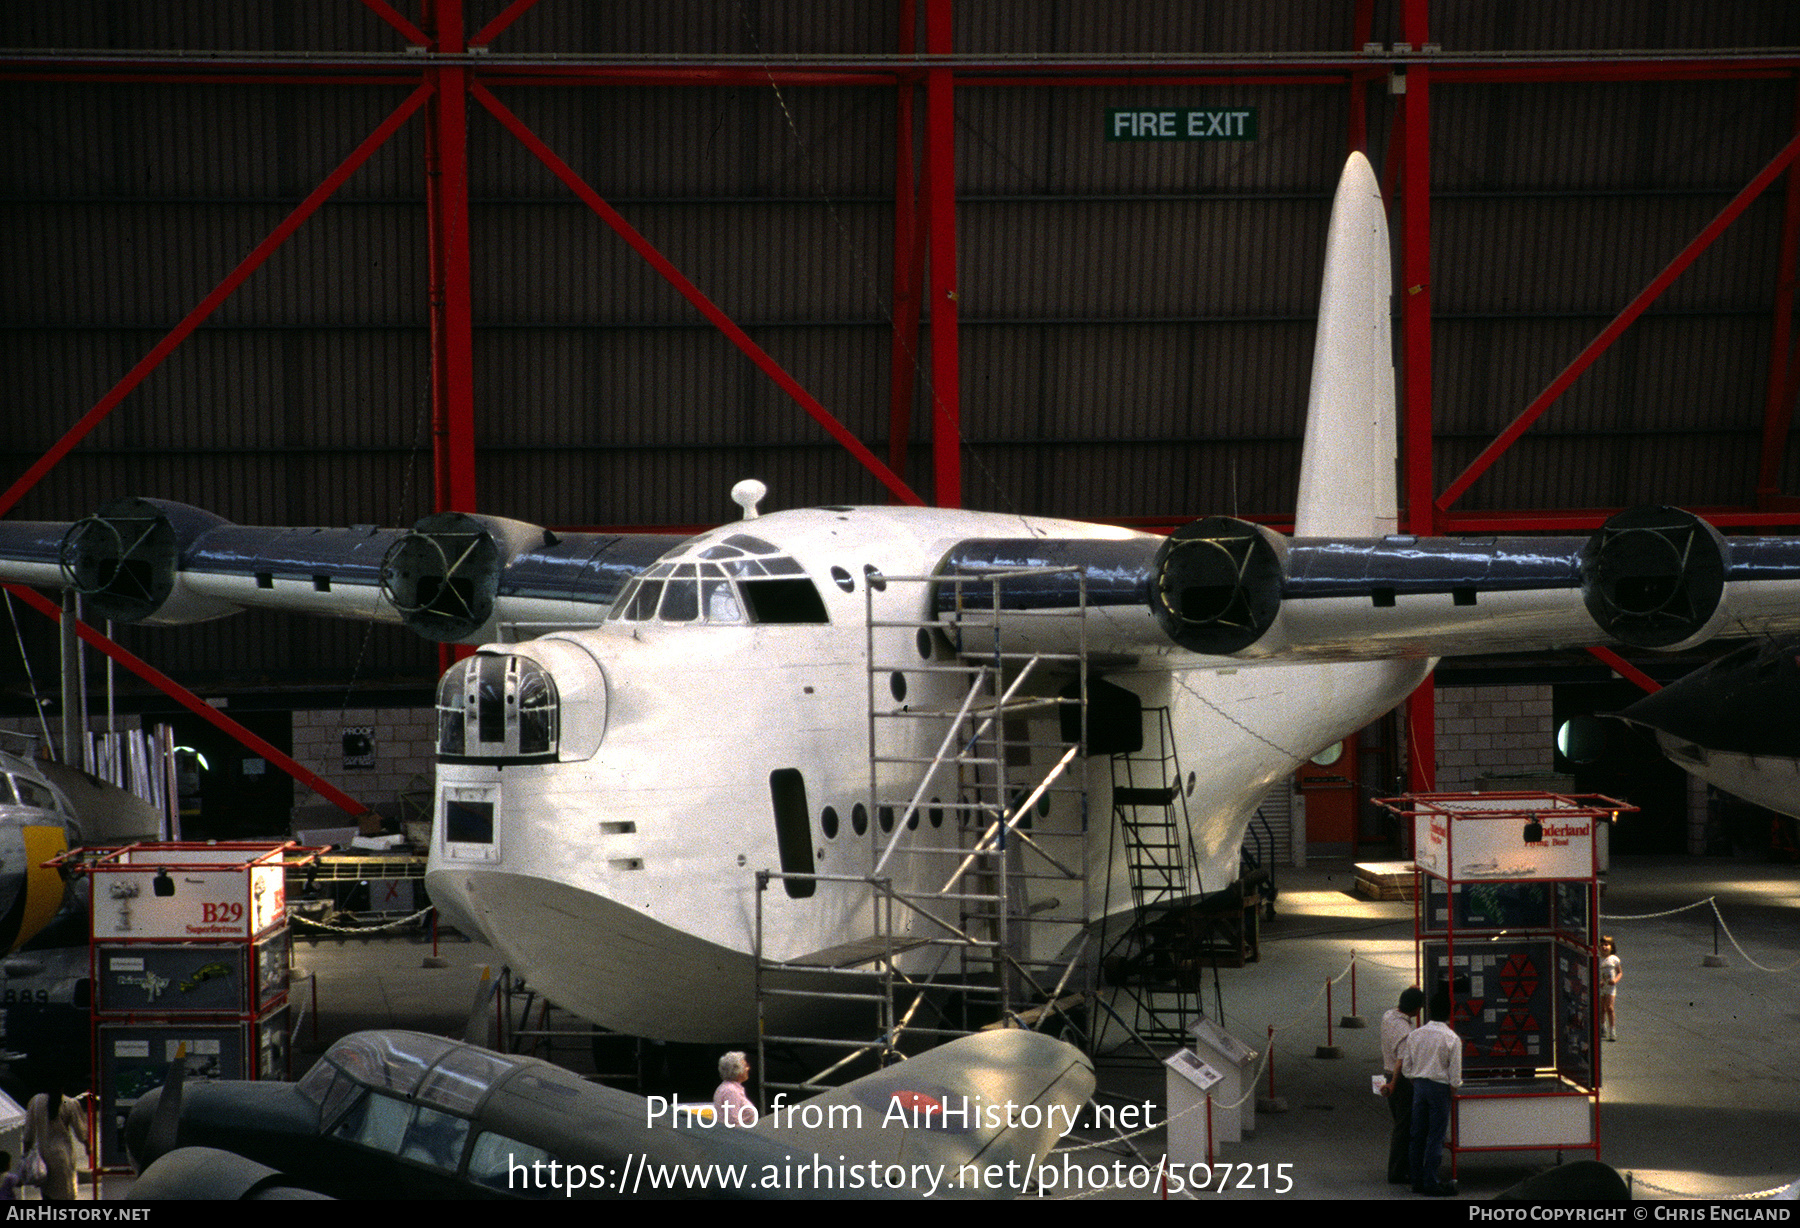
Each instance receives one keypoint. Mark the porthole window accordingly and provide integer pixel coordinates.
(842, 579)
(897, 685)
(828, 822)
(859, 819)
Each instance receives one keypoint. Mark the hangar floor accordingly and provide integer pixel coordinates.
(1702, 1090)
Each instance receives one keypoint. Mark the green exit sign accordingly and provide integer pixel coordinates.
(1235, 124)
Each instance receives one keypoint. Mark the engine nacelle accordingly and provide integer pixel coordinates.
(1216, 584)
(1654, 577)
(126, 558)
(444, 574)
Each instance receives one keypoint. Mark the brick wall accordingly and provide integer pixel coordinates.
(404, 748)
(1492, 731)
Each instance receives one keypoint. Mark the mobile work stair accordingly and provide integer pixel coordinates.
(977, 823)
(1154, 957)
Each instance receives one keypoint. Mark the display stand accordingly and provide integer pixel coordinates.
(1505, 918)
(188, 954)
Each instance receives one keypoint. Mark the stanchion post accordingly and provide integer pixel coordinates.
(1271, 1061)
(1329, 1049)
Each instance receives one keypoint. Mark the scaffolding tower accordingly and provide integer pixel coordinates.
(977, 892)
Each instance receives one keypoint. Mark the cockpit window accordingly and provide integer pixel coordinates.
(393, 1060)
(751, 545)
(31, 793)
(462, 1079)
(729, 587)
(497, 1162)
(784, 601)
(681, 602)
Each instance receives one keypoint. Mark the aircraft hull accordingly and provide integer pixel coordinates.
(650, 932)
(1769, 781)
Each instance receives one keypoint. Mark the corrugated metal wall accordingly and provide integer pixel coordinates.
(1137, 316)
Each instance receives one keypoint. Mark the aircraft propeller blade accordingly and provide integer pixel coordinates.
(165, 1125)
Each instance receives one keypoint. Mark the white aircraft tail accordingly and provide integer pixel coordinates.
(1347, 478)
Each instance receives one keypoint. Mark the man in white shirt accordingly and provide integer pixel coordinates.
(1395, 1025)
(1431, 1059)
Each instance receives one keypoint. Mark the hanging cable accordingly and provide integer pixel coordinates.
(30, 680)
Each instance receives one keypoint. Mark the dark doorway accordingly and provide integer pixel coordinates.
(236, 794)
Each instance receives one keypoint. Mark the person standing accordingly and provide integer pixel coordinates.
(52, 1124)
(730, 1102)
(1431, 1059)
(1612, 971)
(1396, 1024)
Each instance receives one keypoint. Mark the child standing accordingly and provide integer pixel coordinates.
(1612, 971)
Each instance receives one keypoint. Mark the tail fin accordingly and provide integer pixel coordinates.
(1347, 481)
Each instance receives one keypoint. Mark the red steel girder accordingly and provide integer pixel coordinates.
(452, 310)
(393, 16)
(211, 302)
(1415, 325)
(940, 193)
(1415, 283)
(1362, 25)
(1625, 669)
(1623, 320)
(1586, 520)
(193, 703)
(502, 20)
(1778, 409)
(693, 294)
(524, 68)
(909, 255)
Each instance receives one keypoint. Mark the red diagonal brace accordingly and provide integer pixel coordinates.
(211, 302)
(1599, 344)
(193, 703)
(1625, 669)
(391, 15)
(692, 293)
(496, 27)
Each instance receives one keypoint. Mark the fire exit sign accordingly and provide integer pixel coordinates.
(1235, 124)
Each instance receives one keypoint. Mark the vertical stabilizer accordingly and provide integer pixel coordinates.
(1347, 482)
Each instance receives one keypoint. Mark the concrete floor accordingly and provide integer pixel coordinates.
(1701, 1093)
(1702, 1090)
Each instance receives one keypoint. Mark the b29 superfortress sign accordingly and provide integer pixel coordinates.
(1238, 124)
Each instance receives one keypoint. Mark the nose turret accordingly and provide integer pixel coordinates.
(498, 707)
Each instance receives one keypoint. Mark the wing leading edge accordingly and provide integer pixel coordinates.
(451, 577)
(1649, 578)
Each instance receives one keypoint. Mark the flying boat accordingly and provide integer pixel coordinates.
(650, 722)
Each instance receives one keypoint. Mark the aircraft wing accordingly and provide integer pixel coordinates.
(451, 577)
(982, 1112)
(1650, 577)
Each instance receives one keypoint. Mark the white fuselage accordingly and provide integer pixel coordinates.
(619, 876)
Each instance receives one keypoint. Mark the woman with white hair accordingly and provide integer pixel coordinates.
(730, 1103)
